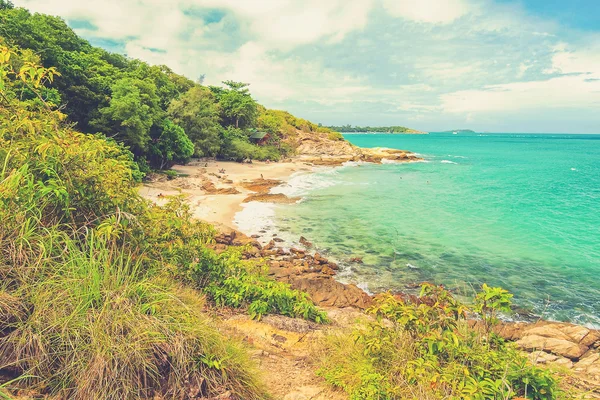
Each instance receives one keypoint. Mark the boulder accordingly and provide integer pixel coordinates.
(271, 198)
(326, 291)
(319, 259)
(589, 364)
(305, 242)
(252, 252)
(261, 185)
(327, 271)
(298, 252)
(556, 346)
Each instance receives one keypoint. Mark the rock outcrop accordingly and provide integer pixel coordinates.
(271, 198)
(571, 346)
(261, 185)
(320, 150)
(313, 274)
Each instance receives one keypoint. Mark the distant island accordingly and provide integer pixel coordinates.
(460, 131)
(376, 129)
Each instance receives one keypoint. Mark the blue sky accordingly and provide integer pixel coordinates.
(488, 65)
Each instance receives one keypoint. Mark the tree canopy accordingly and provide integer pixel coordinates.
(197, 112)
(147, 108)
(238, 108)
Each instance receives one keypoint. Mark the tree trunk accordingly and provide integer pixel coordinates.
(237, 120)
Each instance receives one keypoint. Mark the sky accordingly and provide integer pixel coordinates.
(486, 65)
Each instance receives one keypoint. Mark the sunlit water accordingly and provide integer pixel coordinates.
(513, 210)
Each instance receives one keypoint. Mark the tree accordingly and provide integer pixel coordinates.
(132, 111)
(196, 111)
(172, 146)
(6, 5)
(169, 85)
(238, 108)
(269, 122)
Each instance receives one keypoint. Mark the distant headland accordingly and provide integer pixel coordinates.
(459, 131)
(376, 129)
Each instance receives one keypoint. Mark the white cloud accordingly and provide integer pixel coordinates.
(586, 61)
(282, 23)
(286, 23)
(522, 70)
(577, 88)
(430, 11)
(565, 92)
(361, 60)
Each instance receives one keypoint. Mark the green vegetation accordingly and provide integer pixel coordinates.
(104, 295)
(373, 129)
(423, 349)
(148, 109)
(101, 293)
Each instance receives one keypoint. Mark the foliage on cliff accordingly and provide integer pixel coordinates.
(423, 349)
(101, 293)
(143, 107)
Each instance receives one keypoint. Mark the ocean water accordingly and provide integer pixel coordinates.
(519, 211)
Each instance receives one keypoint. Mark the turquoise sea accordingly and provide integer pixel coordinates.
(520, 211)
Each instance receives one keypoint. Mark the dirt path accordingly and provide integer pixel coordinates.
(284, 349)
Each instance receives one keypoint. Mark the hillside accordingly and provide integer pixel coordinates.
(163, 118)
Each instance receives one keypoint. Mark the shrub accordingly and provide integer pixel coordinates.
(90, 304)
(335, 136)
(239, 149)
(424, 350)
(175, 242)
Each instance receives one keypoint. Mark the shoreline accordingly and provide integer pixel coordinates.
(243, 200)
(218, 198)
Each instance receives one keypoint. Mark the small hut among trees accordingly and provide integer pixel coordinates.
(259, 138)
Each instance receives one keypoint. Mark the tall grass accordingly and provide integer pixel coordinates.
(98, 327)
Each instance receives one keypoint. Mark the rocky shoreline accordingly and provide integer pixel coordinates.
(574, 348)
(568, 346)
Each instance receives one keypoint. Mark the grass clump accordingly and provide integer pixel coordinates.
(100, 327)
(425, 350)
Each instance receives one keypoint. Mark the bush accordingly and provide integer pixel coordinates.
(92, 302)
(335, 136)
(240, 149)
(424, 350)
(175, 243)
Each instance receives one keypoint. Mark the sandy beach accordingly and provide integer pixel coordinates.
(216, 189)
